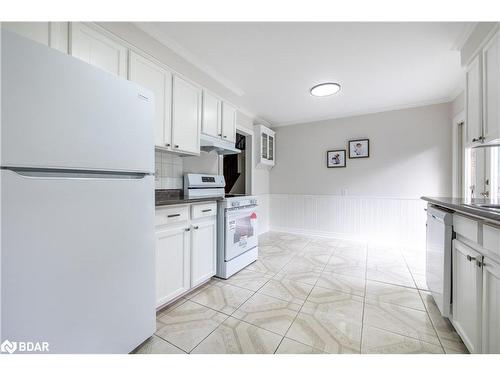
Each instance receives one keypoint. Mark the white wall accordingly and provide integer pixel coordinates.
(410, 156)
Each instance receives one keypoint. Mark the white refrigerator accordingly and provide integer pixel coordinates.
(77, 203)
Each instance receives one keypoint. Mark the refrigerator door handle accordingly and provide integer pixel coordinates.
(75, 174)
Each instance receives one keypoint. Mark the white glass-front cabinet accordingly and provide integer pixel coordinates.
(186, 116)
(266, 141)
(158, 80)
(172, 263)
(491, 307)
(491, 97)
(467, 294)
(96, 48)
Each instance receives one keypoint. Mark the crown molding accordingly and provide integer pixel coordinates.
(367, 112)
(189, 57)
(463, 36)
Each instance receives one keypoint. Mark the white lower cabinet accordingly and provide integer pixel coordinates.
(491, 307)
(172, 264)
(203, 245)
(186, 247)
(467, 294)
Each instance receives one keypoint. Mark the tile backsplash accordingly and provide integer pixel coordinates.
(168, 171)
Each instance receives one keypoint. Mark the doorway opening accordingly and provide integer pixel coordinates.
(235, 166)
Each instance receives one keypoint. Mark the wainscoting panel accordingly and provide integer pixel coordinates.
(263, 201)
(395, 220)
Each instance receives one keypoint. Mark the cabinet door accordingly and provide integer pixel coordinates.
(467, 295)
(97, 49)
(203, 250)
(473, 101)
(52, 34)
(211, 115)
(264, 146)
(270, 153)
(228, 122)
(159, 81)
(491, 98)
(491, 307)
(172, 264)
(186, 116)
(37, 31)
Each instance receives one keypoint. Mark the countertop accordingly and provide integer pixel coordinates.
(462, 205)
(166, 197)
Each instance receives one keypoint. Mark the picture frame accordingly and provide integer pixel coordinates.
(336, 158)
(359, 148)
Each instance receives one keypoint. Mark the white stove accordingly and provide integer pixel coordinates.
(237, 216)
(237, 239)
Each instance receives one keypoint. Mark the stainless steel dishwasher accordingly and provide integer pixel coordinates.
(438, 257)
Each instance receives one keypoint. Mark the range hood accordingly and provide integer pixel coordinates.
(221, 147)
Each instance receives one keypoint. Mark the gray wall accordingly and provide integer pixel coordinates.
(410, 155)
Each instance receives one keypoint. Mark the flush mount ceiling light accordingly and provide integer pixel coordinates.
(325, 89)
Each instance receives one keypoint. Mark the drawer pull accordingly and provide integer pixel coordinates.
(196, 227)
(207, 210)
(173, 215)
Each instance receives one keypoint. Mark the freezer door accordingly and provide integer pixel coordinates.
(60, 112)
(77, 262)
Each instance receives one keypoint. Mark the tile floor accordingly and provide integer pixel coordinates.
(309, 295)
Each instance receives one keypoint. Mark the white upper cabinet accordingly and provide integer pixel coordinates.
(491, 307)
(98, 49)
(266, 141)
(159, 81)
(491, 98)
(52, 34)
(228, 122)
(186, 116)
(473, 98)
(211, 117)
(467, 294)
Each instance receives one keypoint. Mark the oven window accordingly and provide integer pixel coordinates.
(243, 229)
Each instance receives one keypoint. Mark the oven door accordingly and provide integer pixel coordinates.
(241, 231)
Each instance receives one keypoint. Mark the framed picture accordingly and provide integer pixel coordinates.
(359, 148)
(335, 159)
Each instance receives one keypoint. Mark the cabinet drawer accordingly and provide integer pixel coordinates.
(203, 210)
(169, 215)
(466, 227)
(491, 239)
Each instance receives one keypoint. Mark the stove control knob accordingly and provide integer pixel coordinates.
(235, 204)
(253, 201)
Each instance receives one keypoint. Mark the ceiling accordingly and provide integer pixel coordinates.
(272, 66)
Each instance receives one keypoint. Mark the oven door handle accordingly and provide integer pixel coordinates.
(241, 212)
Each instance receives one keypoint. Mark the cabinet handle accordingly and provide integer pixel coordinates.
(475, 139)
(207, 210)
(470, 259)
(225, 136)
(176, 146)
(167, 144)
(187, 229)
(174, 215)
(220, 135)
(196, 227)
